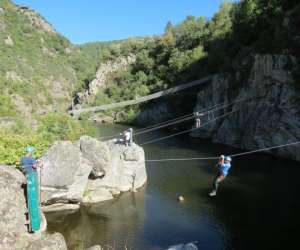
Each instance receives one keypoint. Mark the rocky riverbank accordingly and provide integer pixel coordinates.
(13, 228)
(73, 174)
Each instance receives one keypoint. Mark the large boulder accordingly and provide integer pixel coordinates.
(97, 153)
(12, 208)
(64, 174)
(125, 171)
(112, 168)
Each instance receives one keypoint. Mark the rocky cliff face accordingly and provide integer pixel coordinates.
(270, 117)
(103, 75)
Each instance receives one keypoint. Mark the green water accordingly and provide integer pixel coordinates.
(257, 206)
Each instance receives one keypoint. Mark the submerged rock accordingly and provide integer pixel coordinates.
(60, 207)
(189, 246)
(97, 247)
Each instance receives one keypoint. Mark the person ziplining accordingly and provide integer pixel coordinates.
(198, 116)
(223, 167)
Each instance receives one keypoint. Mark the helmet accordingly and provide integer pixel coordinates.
(30, 149)
(228, 158)
(221, 156)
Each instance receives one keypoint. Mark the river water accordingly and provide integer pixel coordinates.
(257, 206)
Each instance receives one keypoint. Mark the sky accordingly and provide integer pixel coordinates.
(84, 21)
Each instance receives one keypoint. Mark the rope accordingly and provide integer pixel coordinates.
(189, 130)
(205, 110)
(183, 159)
(265, 149)
(234, 155)
(180, 118)
(186, 119)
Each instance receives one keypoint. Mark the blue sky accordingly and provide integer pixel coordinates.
(103, 20)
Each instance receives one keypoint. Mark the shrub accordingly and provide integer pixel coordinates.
(12, 146)
(59, 126)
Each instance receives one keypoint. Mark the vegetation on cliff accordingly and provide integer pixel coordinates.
(198, 47)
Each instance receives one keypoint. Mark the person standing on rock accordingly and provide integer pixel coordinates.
(223, 169)
(127, 137)
(131, 136)
(29, 163)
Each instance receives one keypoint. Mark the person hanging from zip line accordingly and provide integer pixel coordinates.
(197, 119)
(223, 168)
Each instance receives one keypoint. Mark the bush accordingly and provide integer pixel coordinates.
(59, 126)
(12, 146)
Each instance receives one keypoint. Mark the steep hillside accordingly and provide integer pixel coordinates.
(35, 74)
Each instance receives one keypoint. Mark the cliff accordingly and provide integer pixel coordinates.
(269, 114)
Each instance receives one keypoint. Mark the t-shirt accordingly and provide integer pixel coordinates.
(127, 135)
(224, 168)
(27, 164)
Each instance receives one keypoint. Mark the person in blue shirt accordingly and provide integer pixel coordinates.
(223, 169)
(28, 163)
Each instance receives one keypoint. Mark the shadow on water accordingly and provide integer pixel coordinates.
(256, 208)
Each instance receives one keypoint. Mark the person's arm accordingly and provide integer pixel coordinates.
(22, 167)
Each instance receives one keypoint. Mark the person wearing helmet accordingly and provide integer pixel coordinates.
(29, 163)
(224, 165)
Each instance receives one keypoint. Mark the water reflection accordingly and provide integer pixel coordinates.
(256, 208)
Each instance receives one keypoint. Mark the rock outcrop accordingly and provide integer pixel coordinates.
(104, 74)
(13, 229)
(89, 171)
(52, 242)
(65, 173)
(270, 117)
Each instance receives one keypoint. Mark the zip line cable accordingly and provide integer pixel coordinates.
(234, 155)
(181, 118)
(188, 118)
(189, 130)
(205, 110)
(184, 116)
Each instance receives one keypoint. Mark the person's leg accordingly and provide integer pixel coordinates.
(216, 184)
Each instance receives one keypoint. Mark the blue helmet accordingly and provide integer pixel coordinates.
(228, 158)
(30, 149)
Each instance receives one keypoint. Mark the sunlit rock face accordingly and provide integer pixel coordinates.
(266, 103)
(90, 171)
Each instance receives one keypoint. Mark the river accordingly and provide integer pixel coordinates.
(257, 206)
